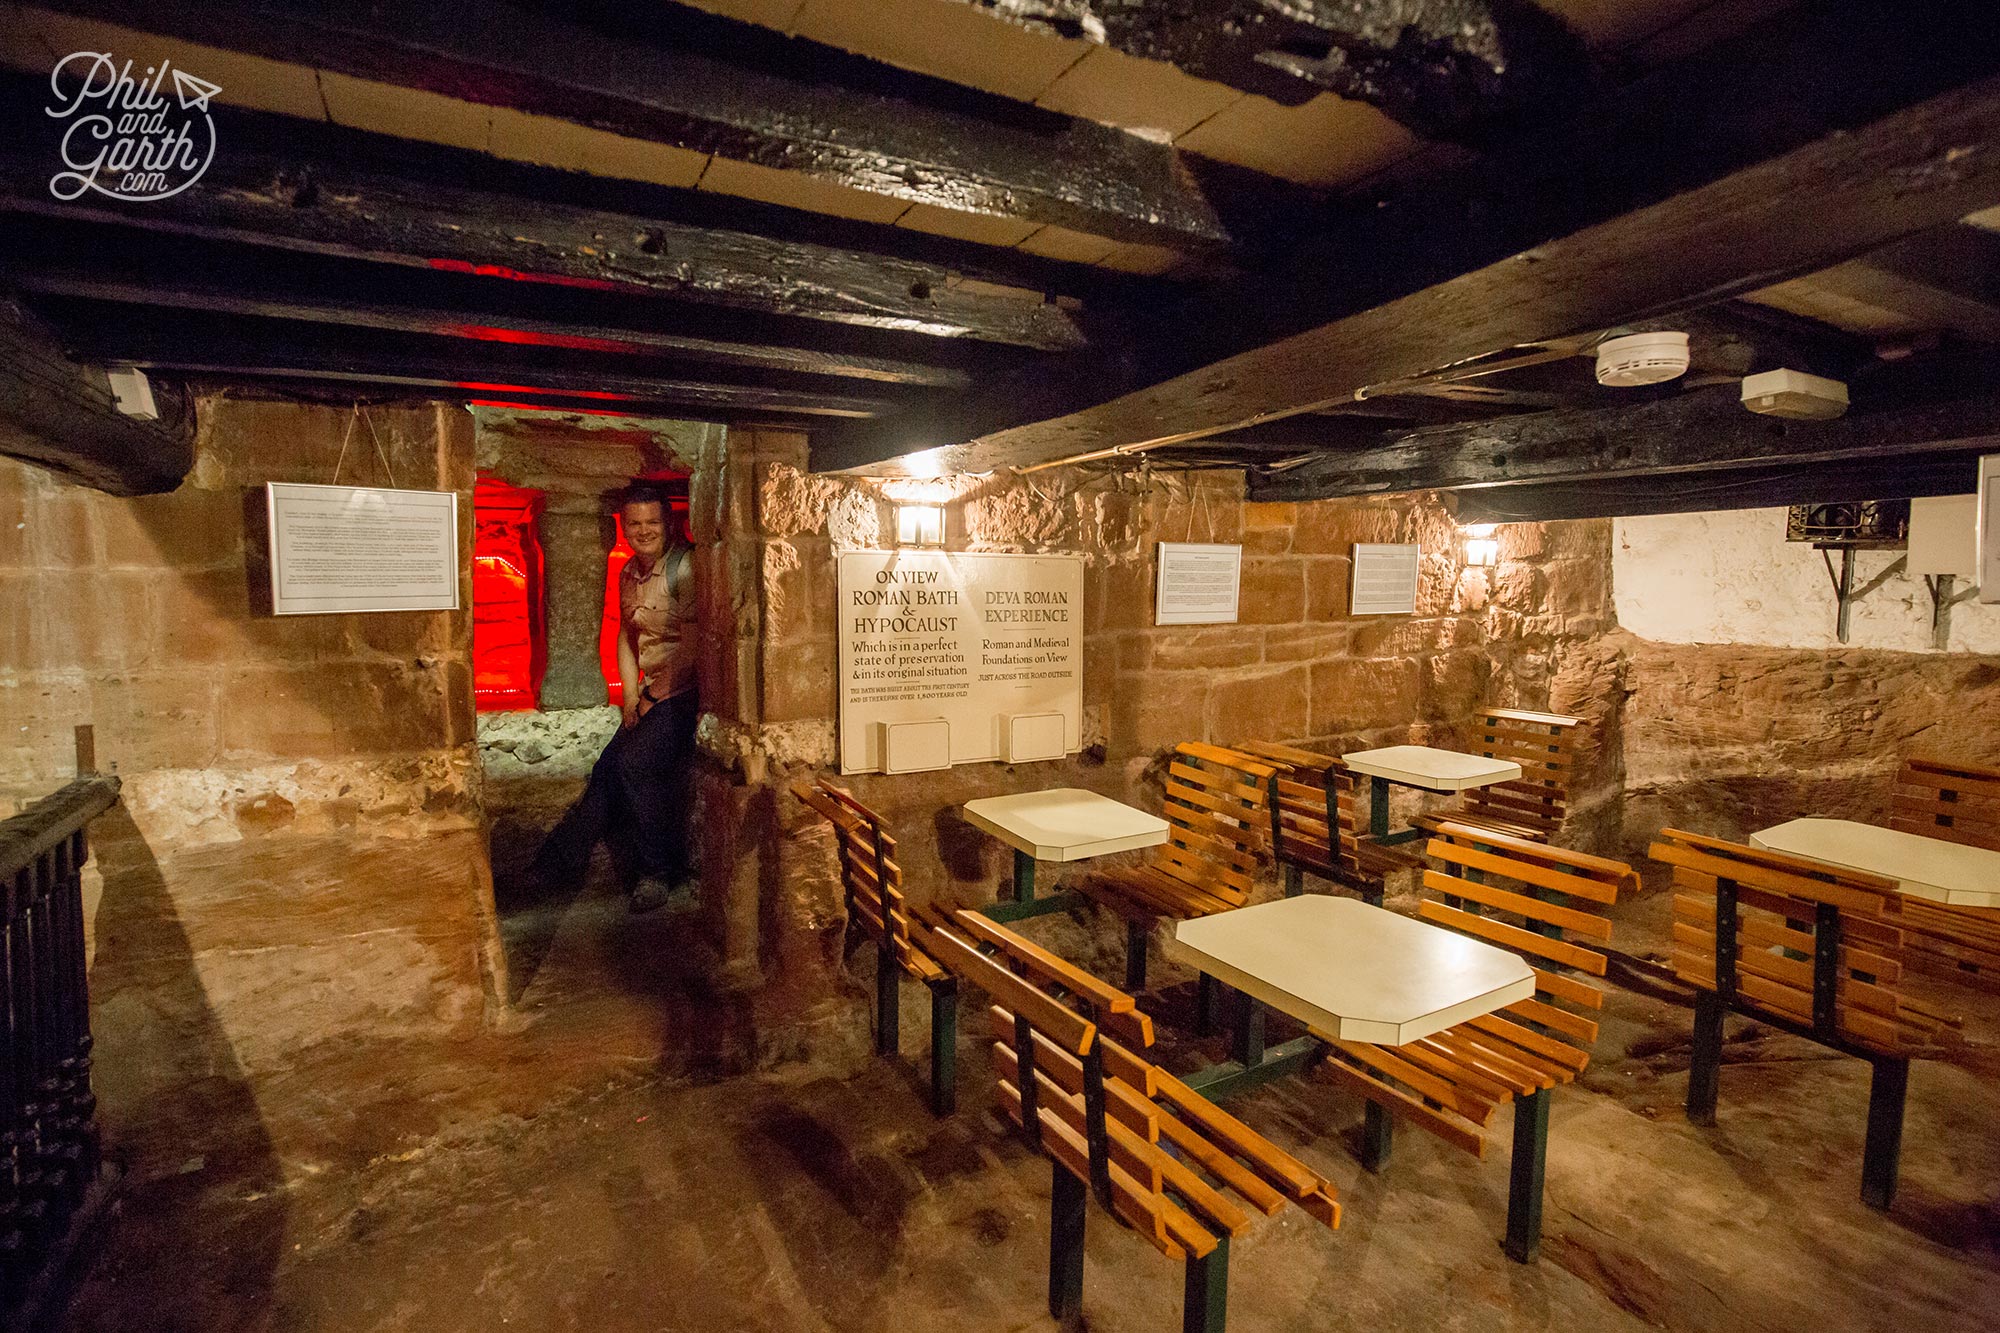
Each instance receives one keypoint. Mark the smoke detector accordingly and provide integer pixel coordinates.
(1794, 394)
(1641, 358)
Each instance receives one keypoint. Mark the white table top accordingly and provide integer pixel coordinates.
(1353, 971)
(1065, 824)
(1944, 872)
(1438, 770)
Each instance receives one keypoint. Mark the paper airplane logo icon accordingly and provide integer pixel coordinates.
(193, 92)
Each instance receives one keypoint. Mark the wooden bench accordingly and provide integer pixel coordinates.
(872, 884)
(1532, 807)
(1529, 898)
(1958, 803)
(1309, 795)
(1809, 949)
(1218, 827)
(1070, 1058)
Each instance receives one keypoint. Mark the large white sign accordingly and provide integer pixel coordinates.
(360, 548)
(1197, 584)
(975, 643)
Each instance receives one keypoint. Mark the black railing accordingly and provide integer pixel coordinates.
(48, 1126)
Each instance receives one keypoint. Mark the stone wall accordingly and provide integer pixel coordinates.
(242, 937)
(1297, 667)
(146, 618)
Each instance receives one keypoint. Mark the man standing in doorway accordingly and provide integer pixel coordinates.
(641, 786)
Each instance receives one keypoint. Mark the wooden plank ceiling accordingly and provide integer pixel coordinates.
(1349, 246)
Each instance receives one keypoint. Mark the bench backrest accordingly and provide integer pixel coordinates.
(1957, 802)
(1538, 901)
(1219, 820)
(1158, 1155)
(871, 880)
(1800, 942)
(1308, 787)
(1544, 745)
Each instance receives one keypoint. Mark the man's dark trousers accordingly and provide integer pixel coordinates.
(641, 789)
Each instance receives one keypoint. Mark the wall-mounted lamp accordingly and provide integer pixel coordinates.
(1482, 548)
(920, 525)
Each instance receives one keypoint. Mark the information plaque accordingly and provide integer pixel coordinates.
(1197, 584)
(972, 640)
(1385, 579)
(361, 548)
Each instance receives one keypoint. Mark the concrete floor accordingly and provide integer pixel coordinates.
(567, 1174)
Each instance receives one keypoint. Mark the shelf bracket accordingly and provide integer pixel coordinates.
(1843, 588)
(1942, 601)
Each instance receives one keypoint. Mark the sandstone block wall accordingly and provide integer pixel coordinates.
(1297, 667)
(240, 943)
(148, 618)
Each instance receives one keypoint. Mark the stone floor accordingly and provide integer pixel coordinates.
(567, 1173)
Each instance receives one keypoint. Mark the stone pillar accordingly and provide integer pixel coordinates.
(574, 548)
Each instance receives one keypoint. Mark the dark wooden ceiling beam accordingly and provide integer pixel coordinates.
(1961, 262)
(1872, 121)
(1447, 69)
(1901, 477)
(341, 392)
(60, 414)
(335, 192)
(676, 76)
(1700, 431)
(116, 264)
(221, 347)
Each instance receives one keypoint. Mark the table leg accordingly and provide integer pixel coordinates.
(1136, 933)
(1378, 808)
(1882, 1150)
(1024, 877)
(1249, 1045)
(1208, 994)
(1378, 1135)
(1524, 1188)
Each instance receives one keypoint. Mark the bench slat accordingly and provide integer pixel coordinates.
(1470, 1139)
(1526, 941)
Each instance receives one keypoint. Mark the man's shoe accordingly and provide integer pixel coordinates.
(656, 891)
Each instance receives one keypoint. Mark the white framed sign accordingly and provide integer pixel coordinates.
(1989, 528)
(361, 548)
(1385, 580)
(1197, 584)
(970, 641)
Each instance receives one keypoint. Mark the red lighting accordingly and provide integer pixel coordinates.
(509, 637)
(546, 407)
(516, 275)
(526, 338)
(530, 388)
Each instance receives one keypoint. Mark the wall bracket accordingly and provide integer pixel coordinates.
(1845, 594)
(1942, 601)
